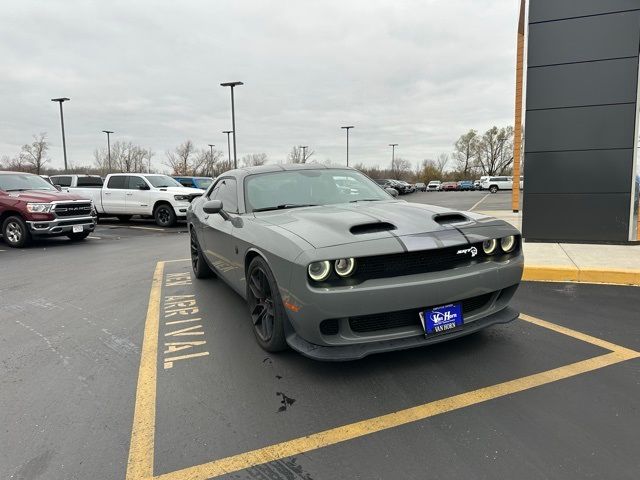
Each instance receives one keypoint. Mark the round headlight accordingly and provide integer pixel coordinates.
(344, 266)
(489, 246)
(508, 243)
(319, 271)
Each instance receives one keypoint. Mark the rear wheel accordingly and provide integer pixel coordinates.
(198, 263)
(164, 215)
(493, 188)
(15, 232)
(76, 237)
(265, 306)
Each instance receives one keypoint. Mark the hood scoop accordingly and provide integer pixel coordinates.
(371, 228)
(448, 218)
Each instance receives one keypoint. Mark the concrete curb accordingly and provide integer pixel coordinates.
(542, 273)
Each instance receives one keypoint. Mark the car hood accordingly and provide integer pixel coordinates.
(38, 196)
(331, 225)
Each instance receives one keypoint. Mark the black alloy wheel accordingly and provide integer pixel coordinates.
(165, 216)
(265, 306)
(198, 263)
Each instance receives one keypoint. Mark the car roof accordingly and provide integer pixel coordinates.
(281, 167)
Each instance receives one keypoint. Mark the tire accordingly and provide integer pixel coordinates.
(164, 215)
(76, 237)
(493, 188)
(124, 218)
(200, 267)
(265, 307)
(15, 232)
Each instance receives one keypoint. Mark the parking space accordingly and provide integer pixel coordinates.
(176, 359)
(476, 200)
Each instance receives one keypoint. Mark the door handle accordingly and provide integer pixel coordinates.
(129, 194)
(107, 193)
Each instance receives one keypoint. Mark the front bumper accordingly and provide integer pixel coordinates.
(60, 226)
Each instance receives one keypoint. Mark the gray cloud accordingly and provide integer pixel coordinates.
(416, 73)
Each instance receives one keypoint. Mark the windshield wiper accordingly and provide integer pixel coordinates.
(365, 200)
(19, 189)
(285, 205)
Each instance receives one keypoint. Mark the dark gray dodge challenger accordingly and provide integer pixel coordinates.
(335, 267)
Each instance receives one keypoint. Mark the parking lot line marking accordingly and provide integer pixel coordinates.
(479, 202)
(148, 228)
(141, 448)
(377, 424)
(178, 260)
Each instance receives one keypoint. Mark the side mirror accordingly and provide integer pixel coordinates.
(213, 207)
(391, 191)
(144, 187)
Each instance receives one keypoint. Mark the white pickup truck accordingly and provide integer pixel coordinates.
(124, 195)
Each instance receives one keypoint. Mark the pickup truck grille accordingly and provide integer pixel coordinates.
(79, 209)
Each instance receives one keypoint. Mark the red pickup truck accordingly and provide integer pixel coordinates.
(32, 207)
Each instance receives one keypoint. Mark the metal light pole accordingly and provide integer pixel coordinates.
(347, 129)
(108, 132)
(233, 119)
(393, 153)
(61, 100)
(211, 145)
(229, 143)
(304, 152)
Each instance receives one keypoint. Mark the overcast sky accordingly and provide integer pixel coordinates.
(417, 73)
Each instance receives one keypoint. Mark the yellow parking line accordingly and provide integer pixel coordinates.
(140, 465)
(141, 450)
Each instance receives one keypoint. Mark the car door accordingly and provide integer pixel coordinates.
(113, 196)
(219, 244)
(138, 195)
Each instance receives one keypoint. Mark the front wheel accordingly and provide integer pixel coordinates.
(15, 232)
(165, 216)
(493, 188)
(265, 306)
(76, 237)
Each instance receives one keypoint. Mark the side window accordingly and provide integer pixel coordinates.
(62, 181)
(89, 182)
(227, 191)
(134, 183)
(117, 182)
(186, 182)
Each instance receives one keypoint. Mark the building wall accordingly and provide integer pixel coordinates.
(581, 120)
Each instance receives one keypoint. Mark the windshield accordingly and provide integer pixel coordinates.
(162, 181)
(17, 182)
(296, 188)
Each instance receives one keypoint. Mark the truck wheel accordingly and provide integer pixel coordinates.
(164, 215)
(493, 188)
(124, 218)
(15, 232)
(76, 237)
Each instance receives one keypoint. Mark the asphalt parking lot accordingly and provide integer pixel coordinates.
(117, 363)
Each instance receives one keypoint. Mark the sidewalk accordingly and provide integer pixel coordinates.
(572, 262)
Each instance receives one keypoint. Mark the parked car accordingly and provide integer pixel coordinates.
(449, 186)
(408, 188)
(195, 182)
(493, 184)
(338, 278)
(73, 181)
(388, 185)
(433, 186)
(465, 185)
(124, 195)
(421, 186)
(32, 207)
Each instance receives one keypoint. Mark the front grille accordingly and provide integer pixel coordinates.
(407, 318)
(72, 209)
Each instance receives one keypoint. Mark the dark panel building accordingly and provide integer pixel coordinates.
(581, 121)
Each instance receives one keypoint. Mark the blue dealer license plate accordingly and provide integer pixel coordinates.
(442, 319)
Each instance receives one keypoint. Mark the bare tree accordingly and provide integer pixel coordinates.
(465, 151)
(34, 154)
(16, 164)
(181, 159)
(125, 157)
(299, 155)
(495, 150)
(207, 163)
(400, 168)
(442, 160)
(255, 159)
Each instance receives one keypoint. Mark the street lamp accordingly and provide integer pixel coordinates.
(304, 152)
(233, 119)
(108, 132)
(64, 142)
(393, 153)
(347, 129)
(211, 145)
(229, 143)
